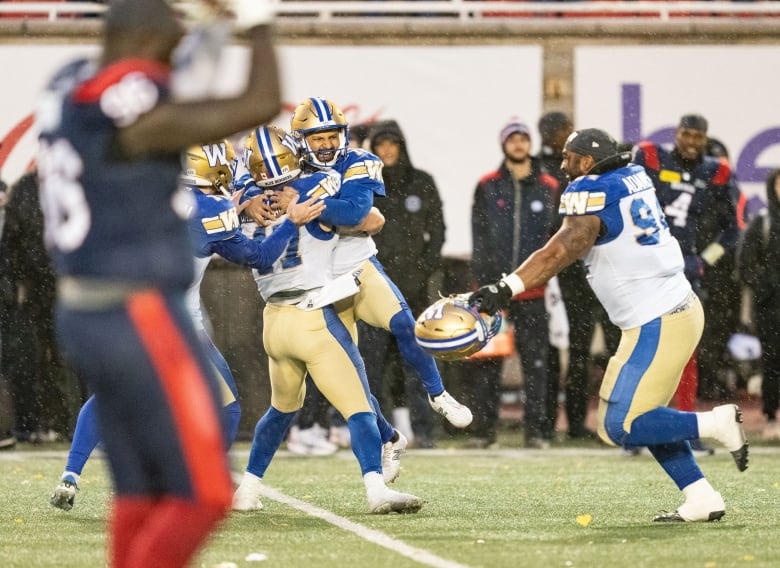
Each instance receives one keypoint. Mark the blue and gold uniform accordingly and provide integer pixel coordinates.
(636, 270)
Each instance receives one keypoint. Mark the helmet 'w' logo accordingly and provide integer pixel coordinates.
(216, 154)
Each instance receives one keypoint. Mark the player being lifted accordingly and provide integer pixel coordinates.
(214, 227)
(299, 293)
(322, 133)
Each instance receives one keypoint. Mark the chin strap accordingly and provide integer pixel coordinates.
(610, 163)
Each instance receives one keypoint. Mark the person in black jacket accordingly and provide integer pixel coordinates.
(759, 269)
(583, 309)
(512, 216)
(45, 393)
(410, 251)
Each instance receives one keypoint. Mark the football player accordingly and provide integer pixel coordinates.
(322, 133)
(299, 293)
(613, 219)
(214, 227)
(111, 133)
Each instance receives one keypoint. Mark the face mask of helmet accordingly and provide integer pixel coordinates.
(319, 115)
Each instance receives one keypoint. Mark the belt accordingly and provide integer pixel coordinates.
(288, 297)
(686, 304)
(95, 294)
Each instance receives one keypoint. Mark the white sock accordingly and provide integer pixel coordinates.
(75, 476)
(251, 481)
(374, 481)
(698, 490)
(707, 425)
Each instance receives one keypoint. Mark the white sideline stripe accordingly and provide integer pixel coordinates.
(371, 535)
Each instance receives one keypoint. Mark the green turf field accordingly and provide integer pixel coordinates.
(565, 507)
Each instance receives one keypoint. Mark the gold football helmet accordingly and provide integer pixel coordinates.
(210, 165)
(271, 156)
(317, 115)
(450, 329)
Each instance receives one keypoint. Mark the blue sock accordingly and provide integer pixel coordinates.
(269, 435)
(386, 430)
(366, 444)
(85, 437)
(678, 462)
(402, 327)
(231, 416)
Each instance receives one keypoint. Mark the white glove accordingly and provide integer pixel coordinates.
(251, 13)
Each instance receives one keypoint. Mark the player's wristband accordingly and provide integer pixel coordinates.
(251, 13)
(515, 283)
(712, 253)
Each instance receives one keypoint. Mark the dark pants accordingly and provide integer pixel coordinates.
(529, 318)
(380, 354)
(584, 312)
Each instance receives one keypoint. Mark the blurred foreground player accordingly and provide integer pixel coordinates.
(613, 219)
(111, 137)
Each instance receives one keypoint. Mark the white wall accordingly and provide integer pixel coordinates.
(452, 101)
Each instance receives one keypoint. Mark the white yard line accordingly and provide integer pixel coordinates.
(371, 535)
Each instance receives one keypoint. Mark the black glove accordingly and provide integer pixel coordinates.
(491, 298)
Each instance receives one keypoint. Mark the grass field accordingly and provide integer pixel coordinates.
(570, 507)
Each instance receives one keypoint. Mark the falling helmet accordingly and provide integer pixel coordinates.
(271, 156)
(210, 165)
(450, 329)
(318, 115)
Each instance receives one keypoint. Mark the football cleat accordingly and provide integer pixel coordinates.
(451, 329)
(689, 512)
(64, 495)
(247, 496)
(210, 165)
(729, 432)
(455, 413)
(391, 457)
(387, 501)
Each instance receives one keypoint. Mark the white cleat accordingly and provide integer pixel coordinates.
(247, 496)
(729, 432)
(310, 442)
(706, 510)
(455, 413)
(64, 495)
(386, 501)
(391, 457)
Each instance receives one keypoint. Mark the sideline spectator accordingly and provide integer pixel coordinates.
(583, 310)
(511, 216)
(759, 269)
(45, 394)
(410, 251)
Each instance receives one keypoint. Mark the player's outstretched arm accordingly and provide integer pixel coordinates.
(575, 238)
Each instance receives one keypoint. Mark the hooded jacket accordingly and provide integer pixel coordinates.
(759, 254)
(411, 241)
